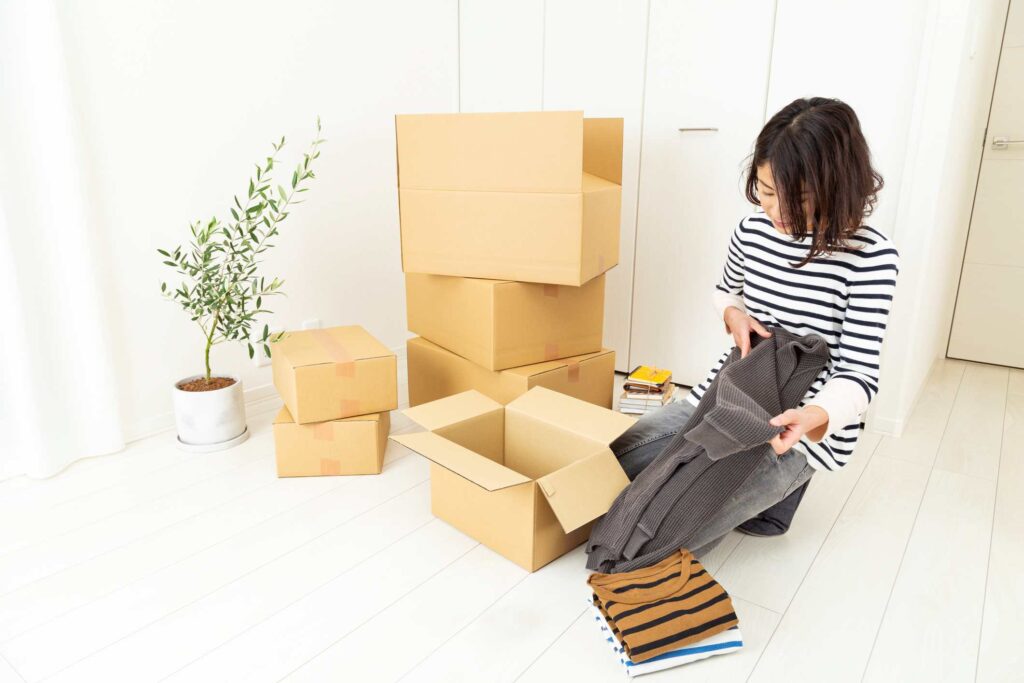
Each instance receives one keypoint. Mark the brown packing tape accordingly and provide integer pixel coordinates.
(551, 291)
(551, 351)
(349, 406)
(344, 365)
(573, 368)
(323, 431)
(329, 466)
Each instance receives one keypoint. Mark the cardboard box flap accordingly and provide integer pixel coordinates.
(499, 152)
(331, 345)
(451, 409)
(471, 466)
(586, 419)
(548, 366)
(602, 148)
(583, 490)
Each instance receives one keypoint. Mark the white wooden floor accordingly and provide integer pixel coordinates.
(157, 565)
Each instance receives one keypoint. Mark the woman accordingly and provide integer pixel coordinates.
(805, 263)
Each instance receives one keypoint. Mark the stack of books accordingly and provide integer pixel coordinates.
(645, 389)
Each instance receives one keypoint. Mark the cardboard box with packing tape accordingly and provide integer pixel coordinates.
(532, 197)
(350, 445)
(504, 324)
(525, 479)
(334, 373)
(435, 372)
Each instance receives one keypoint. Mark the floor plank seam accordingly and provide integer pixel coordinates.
(551, 644)
(463, 628)
(910, 535)
(243, 575)
(334, 489)
(226, 472)
(11, 667)
(991, 531)
(383, 608)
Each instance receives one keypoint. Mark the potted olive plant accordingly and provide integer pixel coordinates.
(223, 292)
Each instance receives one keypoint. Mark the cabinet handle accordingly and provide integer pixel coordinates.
(697, 130)
(1002, 142)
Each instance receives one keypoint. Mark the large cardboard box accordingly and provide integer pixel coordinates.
(435, 372)
(526, 479)
(351, 445)
(333, 373)
(504, 324)
(533, 197)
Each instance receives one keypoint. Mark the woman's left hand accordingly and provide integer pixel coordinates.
(797, 421)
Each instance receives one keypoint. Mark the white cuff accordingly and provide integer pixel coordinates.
(843, 400)
(722, 300)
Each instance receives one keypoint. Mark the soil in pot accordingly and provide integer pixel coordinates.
(203, 384)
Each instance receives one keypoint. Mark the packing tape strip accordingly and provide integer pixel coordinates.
(329, 466)
(551, 351)
(350, 407)
(344, 365)
(551, 291)
(323, 431)
(573, 369)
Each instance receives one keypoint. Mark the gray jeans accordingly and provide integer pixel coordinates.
(775, 478)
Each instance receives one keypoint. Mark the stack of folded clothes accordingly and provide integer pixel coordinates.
(665, 615)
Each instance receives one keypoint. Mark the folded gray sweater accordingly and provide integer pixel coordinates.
(711, 456)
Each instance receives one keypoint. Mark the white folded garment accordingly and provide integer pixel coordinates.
(718, 644)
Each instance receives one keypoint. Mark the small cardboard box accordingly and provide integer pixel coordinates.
(504, 324)
(351, 445)
(533, 197)
(332, 373)
(526, 479)
(435, 372)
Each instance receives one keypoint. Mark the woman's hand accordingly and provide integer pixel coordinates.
(798, 421)
(740, 324)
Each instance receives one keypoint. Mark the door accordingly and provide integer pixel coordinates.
(706, 81)
(988, 320)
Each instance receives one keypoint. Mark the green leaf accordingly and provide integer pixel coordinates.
(295, 178)
(266, 350)
(163, 253)
(252, 352)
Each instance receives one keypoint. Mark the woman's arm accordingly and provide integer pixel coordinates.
(853, 382)
(729, 290)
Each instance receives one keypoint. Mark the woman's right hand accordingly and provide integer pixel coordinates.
(740, 324)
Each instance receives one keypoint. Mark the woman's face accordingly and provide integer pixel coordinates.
(771, 204)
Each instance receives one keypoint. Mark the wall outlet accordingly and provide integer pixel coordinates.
(311, 324)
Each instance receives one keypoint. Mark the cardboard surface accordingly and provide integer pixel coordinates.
(333, 373)
(501, 324)
(531, 520)
(435, 372)
(531, 197)
(353, 445)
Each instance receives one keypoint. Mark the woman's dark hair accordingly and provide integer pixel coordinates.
(816, 145)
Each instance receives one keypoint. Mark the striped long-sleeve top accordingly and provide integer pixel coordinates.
(844, 296)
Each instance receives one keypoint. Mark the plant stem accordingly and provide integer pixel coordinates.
(209, 342)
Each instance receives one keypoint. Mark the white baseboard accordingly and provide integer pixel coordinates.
(257, 399)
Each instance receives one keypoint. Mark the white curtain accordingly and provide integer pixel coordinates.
(58, 392)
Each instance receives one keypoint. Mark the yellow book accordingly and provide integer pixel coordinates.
(646, 374)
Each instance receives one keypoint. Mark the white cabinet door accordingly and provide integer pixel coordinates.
(707, 67)
(594, 61)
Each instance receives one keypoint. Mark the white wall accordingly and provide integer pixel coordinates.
(958, 66)
(178, 100)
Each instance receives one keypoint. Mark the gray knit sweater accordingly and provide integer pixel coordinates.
(667, 503)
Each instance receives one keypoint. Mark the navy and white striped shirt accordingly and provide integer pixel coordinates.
(844, 296)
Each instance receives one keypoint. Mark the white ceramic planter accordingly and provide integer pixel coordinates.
(210, 420)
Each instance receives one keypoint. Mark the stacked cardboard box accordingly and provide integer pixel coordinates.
(338, 386)
(508, 222)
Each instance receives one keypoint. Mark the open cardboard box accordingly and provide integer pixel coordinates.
(525, 479)
(436, 372)
(531, 196)
(505, 324)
